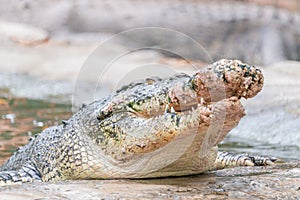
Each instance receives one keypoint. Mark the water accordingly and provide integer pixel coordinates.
(241, 145)
(21, 118)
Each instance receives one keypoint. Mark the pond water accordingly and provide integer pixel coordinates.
(21, 118)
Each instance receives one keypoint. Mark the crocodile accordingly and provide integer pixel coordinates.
(260, 34)
(147, 129)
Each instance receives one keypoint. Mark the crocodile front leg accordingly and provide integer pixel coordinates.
(227, 159)
(27, 173)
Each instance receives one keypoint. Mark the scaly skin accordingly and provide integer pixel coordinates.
(155, 128)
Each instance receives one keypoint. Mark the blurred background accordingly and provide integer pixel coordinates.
(54, 56)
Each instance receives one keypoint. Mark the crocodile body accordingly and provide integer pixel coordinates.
(154, 128)
(254, 33)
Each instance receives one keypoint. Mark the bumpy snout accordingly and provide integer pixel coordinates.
(227, 78)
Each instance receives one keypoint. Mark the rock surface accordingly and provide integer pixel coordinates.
(273, 182)
(22, 33)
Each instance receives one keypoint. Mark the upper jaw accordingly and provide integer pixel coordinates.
(220, 80)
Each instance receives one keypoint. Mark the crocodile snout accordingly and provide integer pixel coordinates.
(227, 78)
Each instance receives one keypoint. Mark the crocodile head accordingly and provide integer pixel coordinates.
(167, 127)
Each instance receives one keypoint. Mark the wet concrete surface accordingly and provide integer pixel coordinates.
(274, 182)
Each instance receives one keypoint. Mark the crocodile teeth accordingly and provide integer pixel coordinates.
(201, 101)
(167, 109)
(248, 163)
(173, 110)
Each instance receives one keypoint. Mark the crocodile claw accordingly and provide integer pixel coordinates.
(228, 159)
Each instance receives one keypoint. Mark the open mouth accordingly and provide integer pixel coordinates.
(202, 110)
(184, 94)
